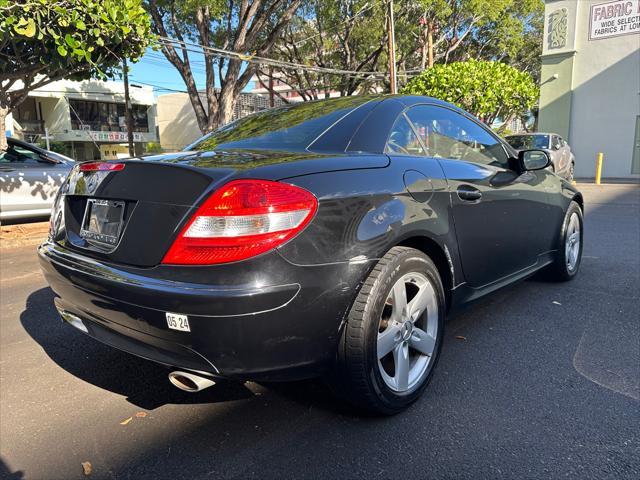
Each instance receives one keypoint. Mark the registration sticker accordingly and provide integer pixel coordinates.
(178, 322)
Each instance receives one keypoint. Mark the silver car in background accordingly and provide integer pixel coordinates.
(29, 179)
(562, 158)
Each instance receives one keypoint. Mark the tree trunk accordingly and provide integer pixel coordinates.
(423, 49)
(4, 111)
(430, 43)
(505, 124)
(225, 106)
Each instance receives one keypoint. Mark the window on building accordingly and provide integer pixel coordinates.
(27, 116)
(140, 119)
(27, 110)
(106, 116)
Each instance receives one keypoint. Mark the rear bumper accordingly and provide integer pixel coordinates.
(265, 329)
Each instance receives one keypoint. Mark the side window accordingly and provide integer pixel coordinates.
(16, 154)
(402, 139)
(448, 134)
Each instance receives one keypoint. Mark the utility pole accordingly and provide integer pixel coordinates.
(127, 108)
(272, 100)
(392, 49)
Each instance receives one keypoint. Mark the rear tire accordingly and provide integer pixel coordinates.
(392, 339)
(570, 243)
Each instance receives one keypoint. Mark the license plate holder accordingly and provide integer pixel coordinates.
(102, 222)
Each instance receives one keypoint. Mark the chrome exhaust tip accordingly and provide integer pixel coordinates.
(189, 382)
(73, 320)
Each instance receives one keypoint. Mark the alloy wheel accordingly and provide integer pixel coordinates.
(407, 332)
(572, 242)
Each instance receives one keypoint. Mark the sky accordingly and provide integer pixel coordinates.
(153, 69)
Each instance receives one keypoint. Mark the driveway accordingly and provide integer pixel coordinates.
(540, 380)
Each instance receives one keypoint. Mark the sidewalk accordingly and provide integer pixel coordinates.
(609, 180)
(20, 235)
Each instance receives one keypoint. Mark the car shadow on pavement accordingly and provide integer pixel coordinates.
(7, 474)
(143, 382)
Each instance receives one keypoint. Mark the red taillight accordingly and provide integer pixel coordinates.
(242, 219)
(101, 167)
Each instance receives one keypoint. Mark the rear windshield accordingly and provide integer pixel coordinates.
(292, 127)
(522, 142)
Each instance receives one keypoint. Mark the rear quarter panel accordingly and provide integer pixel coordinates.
(364, 213)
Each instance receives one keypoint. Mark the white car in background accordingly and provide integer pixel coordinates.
(29, 179)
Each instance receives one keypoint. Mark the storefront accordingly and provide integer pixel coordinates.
(590, 84)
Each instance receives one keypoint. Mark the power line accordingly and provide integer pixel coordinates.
(218, 52)
(205, 50)
(157, 87)
(159, 56)
(158, 63)
(162, 59)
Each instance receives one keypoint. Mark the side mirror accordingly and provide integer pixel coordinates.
(533, 160)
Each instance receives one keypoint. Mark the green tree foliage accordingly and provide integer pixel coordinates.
(153, 147)
(352, 35)
(470, 29)
(347, 35)
(488, 90)
(514, 38)
(58, 147)
(43, 40)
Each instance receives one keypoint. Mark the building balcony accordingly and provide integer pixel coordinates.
(31, 127)
(105, 127)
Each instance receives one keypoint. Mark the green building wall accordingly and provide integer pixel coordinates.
(555, 93)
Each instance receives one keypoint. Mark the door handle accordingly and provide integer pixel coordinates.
(468, 193)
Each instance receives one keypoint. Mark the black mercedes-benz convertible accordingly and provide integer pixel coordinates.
(324, 238)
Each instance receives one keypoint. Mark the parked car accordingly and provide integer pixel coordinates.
(323, 238)
(563, 161)
(29, 179)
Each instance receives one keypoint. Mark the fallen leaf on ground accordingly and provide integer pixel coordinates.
(141, 414)
(124, 422)
(460, 337)
(87, 468)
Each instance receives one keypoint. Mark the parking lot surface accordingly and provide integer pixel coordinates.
(539, 380)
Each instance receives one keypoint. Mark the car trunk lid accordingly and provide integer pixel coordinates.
(131, 216)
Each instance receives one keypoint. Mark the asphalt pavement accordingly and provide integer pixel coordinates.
(539, 380)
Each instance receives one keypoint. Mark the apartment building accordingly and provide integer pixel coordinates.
(86, 120)
(177, 123)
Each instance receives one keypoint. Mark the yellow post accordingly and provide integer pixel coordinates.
(599, 168)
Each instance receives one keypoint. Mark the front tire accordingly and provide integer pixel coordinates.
(570, 243)
(393, 335)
